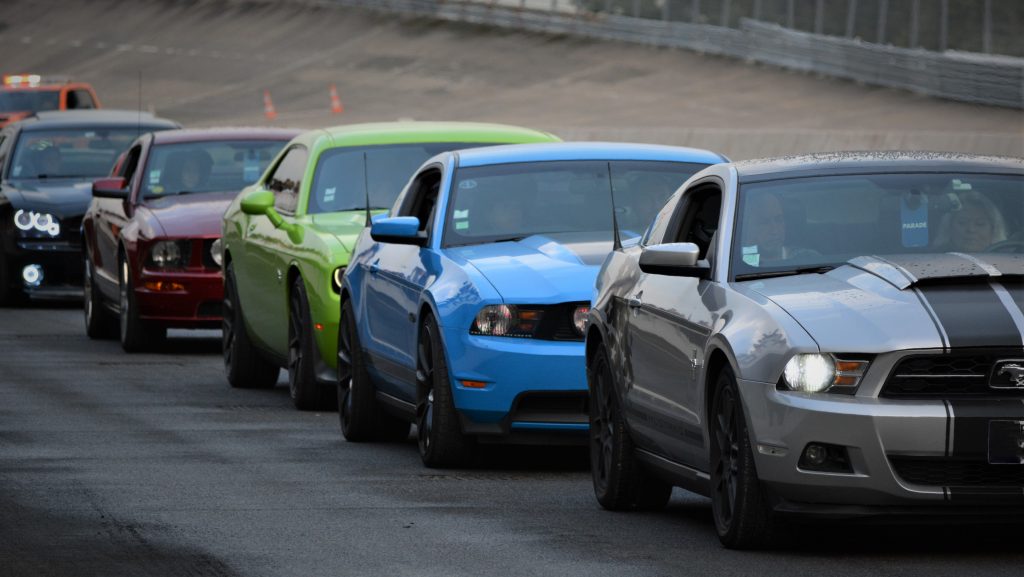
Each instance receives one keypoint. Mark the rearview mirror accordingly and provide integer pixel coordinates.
(398, 230)
(674, 259)
(257, 202)
(110, 188)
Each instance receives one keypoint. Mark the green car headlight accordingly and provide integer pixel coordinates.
(336, 279)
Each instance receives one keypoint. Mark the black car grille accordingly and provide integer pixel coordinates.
(945, 472)
(960, 374)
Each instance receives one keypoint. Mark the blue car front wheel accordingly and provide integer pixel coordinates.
(440, 437)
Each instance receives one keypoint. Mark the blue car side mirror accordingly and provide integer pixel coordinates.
(398, 230)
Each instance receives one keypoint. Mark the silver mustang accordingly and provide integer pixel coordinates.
(833, 335)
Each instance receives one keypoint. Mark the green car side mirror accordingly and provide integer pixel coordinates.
(257, 202)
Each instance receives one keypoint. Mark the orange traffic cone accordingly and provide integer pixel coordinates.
(336, 107)
(268, 106)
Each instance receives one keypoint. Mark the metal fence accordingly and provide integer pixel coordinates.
(956, 75)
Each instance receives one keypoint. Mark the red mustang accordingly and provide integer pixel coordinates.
(152, 232)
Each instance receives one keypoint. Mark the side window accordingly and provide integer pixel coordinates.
(422, 198)
(286, 180)
(130, 165)
(3, 151)
(82, 98)
(699, 222)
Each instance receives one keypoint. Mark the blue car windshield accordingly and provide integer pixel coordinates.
(208, 166)
(512, 201)
(342, 174)
(825, 221)
(69, 153)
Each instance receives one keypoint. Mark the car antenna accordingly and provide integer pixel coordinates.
(617, 240)
(366, 188)
(138, 125)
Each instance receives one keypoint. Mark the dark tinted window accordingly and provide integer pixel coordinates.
(80, 100)
(215, 166)
(70, 153)
(804, 222)
(29, 100)
(286, 180)
(342, 174)
(492, 203)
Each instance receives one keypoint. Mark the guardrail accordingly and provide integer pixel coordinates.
(964, 76)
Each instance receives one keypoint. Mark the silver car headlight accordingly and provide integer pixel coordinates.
(38, 221)
(816, 373)
(169, 253)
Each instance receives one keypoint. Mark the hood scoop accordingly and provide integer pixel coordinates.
(906, 270)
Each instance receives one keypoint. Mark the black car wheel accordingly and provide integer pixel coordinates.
(742, 517)
(361, 417)
(246, 368)
(99, 324)
(440, 437)
(306, 392)
(136, 334)
(620, 482)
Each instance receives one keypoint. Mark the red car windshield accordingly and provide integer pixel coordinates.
(213, 166)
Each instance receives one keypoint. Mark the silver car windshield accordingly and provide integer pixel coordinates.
(512, 201)
(804, 223)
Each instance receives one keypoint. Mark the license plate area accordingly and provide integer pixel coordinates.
(1006, 442)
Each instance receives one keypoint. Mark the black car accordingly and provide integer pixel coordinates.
(47, 165)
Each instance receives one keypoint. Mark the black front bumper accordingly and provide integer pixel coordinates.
(62, 264)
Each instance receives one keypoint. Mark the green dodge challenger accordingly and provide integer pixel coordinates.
(288, 238)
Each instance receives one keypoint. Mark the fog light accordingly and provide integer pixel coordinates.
(826, 458)
(32, 275)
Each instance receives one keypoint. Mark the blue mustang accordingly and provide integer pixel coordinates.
(464, 311)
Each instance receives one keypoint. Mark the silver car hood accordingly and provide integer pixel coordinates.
(871, 306)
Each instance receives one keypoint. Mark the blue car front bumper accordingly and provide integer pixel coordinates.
(529, 387)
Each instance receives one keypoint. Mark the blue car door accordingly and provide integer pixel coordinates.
(396, 277)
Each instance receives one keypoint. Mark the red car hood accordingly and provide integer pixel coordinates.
(189, 215)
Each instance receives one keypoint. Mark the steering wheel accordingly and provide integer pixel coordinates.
(1007, 246)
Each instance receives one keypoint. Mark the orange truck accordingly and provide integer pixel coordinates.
(22, 95)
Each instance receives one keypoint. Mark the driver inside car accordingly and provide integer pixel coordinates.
(972, 227)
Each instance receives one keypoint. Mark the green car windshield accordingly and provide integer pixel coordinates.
(211, 166)
(822, 222)
(342, 174)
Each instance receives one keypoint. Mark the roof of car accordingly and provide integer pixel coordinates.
(104, 117)
(584, 151)
(223, 133)
(380, 133)
(823, 164)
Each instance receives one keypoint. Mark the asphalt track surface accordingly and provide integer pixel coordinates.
(208, 62)
(150, 465)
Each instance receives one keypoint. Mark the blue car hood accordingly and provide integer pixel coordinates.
(541, 269)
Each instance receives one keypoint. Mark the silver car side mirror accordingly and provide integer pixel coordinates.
(674, 259)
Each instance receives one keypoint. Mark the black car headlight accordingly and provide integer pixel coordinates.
(169, 253)
(817, 373)
(31, 221)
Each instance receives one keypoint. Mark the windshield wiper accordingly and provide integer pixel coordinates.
(792, 272)
(508, 239)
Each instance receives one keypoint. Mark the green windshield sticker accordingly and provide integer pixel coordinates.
(329, 194)
(462, 213)
(751, 256)
(462, 225)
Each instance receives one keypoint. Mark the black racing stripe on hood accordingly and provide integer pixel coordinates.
(971, 425)
(971, 315)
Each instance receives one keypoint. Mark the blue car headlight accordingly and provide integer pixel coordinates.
(506, 321)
